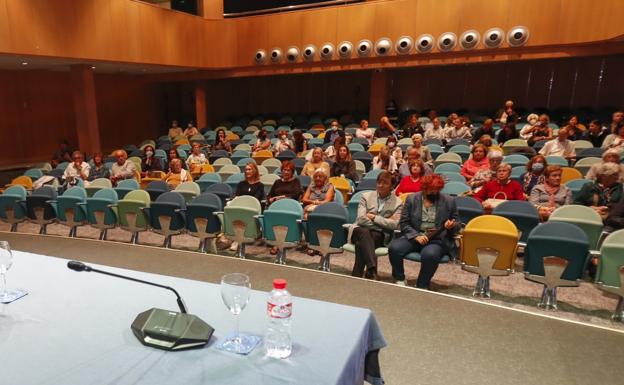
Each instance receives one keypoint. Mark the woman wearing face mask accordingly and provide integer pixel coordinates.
(551, 194)
(395, 150)
(263, 142)
(525, 132)
(315, 163)
(149, 162)
(534, 174)
(540, 131)
(429, 222)
(385, 161)
(283, 143)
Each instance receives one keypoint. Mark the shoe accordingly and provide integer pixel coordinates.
(401, 283)
(234, 246)
(371, 274)
(273, 250)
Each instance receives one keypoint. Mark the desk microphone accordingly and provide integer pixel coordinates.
(159, 328)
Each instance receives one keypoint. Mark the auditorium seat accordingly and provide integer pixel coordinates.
(125, 186)
(11, 211)
(188, 190)
(97, 185)
(468, 208)
(100, 213)
(219, 162)
(448, 157)
(227, 170)
(281, 226)
(234, 179)
(166, 216)
(70, 210)
(522, 213)
(610, 270)
(324, 231)
(448, 167)
(586, 218)
(130, 213)
(222, 190)
(454, 188)
(38, 208)
(240, 223)
(201, 221)
(24, 181)
(270, 163)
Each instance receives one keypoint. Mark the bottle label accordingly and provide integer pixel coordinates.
(279, 311)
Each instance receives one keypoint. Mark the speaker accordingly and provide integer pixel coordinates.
(493, 38)
(327, 51)
(292, 54)
(309, 51)
(518, 36)
(424, 43)
(345, 49)
(404, 45)
(276, 55)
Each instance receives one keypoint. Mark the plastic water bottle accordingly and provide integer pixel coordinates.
(279, 311)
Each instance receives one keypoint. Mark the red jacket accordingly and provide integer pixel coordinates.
(513, 191)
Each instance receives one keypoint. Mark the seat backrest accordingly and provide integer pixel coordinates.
(106, 193)
(138, 195)
(171, 197)
(209, 199)
(455, 188)
(229, 169)
(222, 161)
(16, 190)
(129, 184)
(245, 201)
(210, 177)
(452, 176)
(584, 217)
(101, 182)
(328, 216)
(611, 260)
(45, 191)
(449, 157)
(522, 213)
(468, 208)
(493, 232)
(554, 159)
(352, 206)
(286, 205)
(190, 187)
(24, 181)
(372, 174)
(453, 167)
(77, 192)
(569, 173)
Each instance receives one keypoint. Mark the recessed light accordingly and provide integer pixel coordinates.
(24, 63)
(92, 67)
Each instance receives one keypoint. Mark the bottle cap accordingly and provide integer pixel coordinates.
(279, 283)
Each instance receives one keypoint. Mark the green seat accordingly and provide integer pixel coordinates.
(448, 157)
(130, 213)
(324, 231)
(267, 181)
(166, 215)
(125, 186)
(226, 171)
(272, 164)
(201, 220)
(610, 274)
(281, 226)
(239, 221)
(583, 165)
(11, 211)
(448, 167)
(556, 255)
(208, 179)
(96, 185)
(100, 214)
(70, 211)
(584, 217)
(220, 162)
(34, 173)
(189, 190)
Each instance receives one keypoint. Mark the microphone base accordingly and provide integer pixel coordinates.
(170, 330)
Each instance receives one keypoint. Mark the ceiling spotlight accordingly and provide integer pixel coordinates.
(404, 45)
(518, 36)
(383, 46)
(469, 39)
(425, 43)
(364, 48)
(447, 41)
(24, 63)
(493, 38)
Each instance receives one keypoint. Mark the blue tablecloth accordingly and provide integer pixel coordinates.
(74, 328)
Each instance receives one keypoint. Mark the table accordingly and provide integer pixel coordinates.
(74, 328)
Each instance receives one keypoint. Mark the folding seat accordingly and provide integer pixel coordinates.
(166, 215)
(585, 218)
(34, 173)
(375, 148)
(262, 156)
(238, 155)
(569, 173)
(342, 186)
(99, 210)
(458, 142)
(366, 185)
(202, 222)
(364, 157)
(361, 141)
(380, 141)
(450, 176)
(39, 208)
(11, 211)
(575, 185)
(208, 179)
(557, 160)
(590, 153)
(267, 181)
(555, 256)
(129, 211)
(610, 272)
(360, 169)
(299, 164)
(270, 163)
(455, 188)
(435, 149)
(286, 155)
(217, 154)
(324, 231)
(24, 181)
(517, 172)
(468, 208)
(98, 184)
(583, 165)
(239, 220)
(372, 174)
(448, 167)
(582, 145)
(352, 206)
(449, 157)
(523, 215)
(356, 147)
(405, 143)
(62, 166)
(462, 150)
(125, 186)
(234, 179)
(488, 248)
(222, 190)
(242, 163)
(227, 170)
(512, 144)
(516, 160)
(71, 210)
(436, 142)
(189, 190)
(281, 226)
(305, 181)
(220, 162)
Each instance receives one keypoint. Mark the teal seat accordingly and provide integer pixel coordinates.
(40, 207)
(11, 211)
(468, 208)
(166, 215)
(202, 221)
(575, 186)
(559, 160)
(34, 173)
(352, 206)
(372, 174)
(239, 155)
(70, 209)
(239, 220)
(448, 167)
(100, 214)
(610, 273)
(98, 184)
(324, 231)
(234, 179)
(281, 226)
(584, 217)
(125, 186)
(130, 213)
(455, 188)
(462, 150)
(517, 172)
(556, 255)
(208, 179)
(222, 190)
(523, 215)
(452, 176)
(516, 160)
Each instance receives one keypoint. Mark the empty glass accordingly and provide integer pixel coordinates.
(235, 291)
(6, 260)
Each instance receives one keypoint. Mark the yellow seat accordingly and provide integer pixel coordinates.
(569, 173)
(496, 148)
(375, 148)
(341, 184)
(488, 247)
(180, 142)
(261, 156)
(24, 181)
(232, 136)
(201, 170)
(321, 135)
(404, 196)
(151, 177)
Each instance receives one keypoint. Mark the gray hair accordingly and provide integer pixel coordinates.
(505, 165)
(608, 169)
(494, 154)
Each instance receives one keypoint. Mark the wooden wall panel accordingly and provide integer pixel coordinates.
(474, 15)
(253, 36)
(123, 38)
(355, 23)
(5, 36)
(542, 18)
(319, 27)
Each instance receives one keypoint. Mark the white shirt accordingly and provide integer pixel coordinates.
(457, 133)
(432, 133)
(557, 147)
(392, 165)
(366, 134)
(196, 160)
(72, 171)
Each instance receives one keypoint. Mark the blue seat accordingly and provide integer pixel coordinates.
(590, 153)
(166, 215)
(462, 150)
(234, 179)
(100, 214)
(559, 160)
(455, 188)
(155, 189)
(70, 209)
(451, 176)
(222, 190)
(366, 185)
(239, 155)
(517, 172)
(356, 147)
(522, 213)
(556, 255)
(372, 174)
(201, 220)
(286, 155)
(218, 154)
(575, 186)
(11, 211)
(39, 208)
(448, 167)
(436, 142)
(242, 163)
(125, 186)
(299, 164)
(324, 231)
(352, 206)
(208, 179)
(364, 157)
(305, 181)
(468, 208)
(516, 160)
(281, 226)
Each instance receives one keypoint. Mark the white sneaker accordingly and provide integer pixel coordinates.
(401, 283)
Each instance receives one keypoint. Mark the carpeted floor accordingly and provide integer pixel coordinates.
(584, 304)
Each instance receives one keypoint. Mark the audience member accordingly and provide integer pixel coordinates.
(99, 169)
(316, 162)
(78, 168)
(251, 185)
(412, 127)
(507, 114)
(450, 121)
(560, 146)
(540, 131)
(123, 168)
(507, 132)
(478, 161)
(486, 129)
(527, 129)
(483, 176)
(609, 156)
(603, 193)
(617, 122)
(173, 154)
(287, 186)
(344, 165)
(411, 183)
(385, 161)
(457, 131)
(364, 131)
(177, 174)
(262, 143)
(190, 130)
(221, 141)
(385, 129)
(436, 131)
(411, 155)
(423, 214)
(282, 144)
(596, 135)
(378, 216)
(299, 142)
(502, 187)
(320, 191)
(417, 144)
(330, 151)
(175, 130)
(333, 132)
(395, 150)
(534, 174)
(197, 159)
(63, 154)
(149, 162)
(551, 194)
(615, 141)
(486, 141)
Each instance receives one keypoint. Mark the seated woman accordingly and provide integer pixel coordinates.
(177, 174)
(540, 131)
(485, 140)
(484, 175)
(375, 224)
(99, 170)
(424, 152)
(262, 143)
(196, 159)
(286, 187)
(551, 194)
(609, 156)
(500, 188)
(221, 142)
(478, 161)
(534, 174)
(411, 183)
(605, 192)
(526, 130)
(282, 144)
(395, 150)
(320, 191)
(344, 165)
(508, 131)
(174, 130)
(330, 151)
(251, 185)
(173, 154)
(429, 222)
(364, 132)
(190, 130)
(299, 142)
(149, 162)
(315, 162)
(385, 161)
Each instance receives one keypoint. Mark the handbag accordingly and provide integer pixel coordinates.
(493, 202)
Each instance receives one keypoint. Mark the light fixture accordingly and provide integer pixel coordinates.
(404, 45)
(24, 63)
(493, 38)
(260, 56)
(292, 54)
(469, 39)
(447, 41)
(345, 49)
(309, 51)
(276, 55)
(383, 46)
(327, 51)
(518, 36)
(425, 43)
(364, 48)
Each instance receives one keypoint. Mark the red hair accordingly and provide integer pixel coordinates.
(432, 182)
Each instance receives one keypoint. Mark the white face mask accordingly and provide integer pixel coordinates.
(391, 145)
(149, 153)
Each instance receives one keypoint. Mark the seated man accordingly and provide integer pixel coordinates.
(429, 222)
(177, 174)
(560, 146)
(78, 168)
(604, 193)
(123, 168)
(378, 215)
(500, 188)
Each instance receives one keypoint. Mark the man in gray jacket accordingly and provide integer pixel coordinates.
(377, 217)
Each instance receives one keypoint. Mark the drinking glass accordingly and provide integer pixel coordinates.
(235, 291)
(6, 260)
